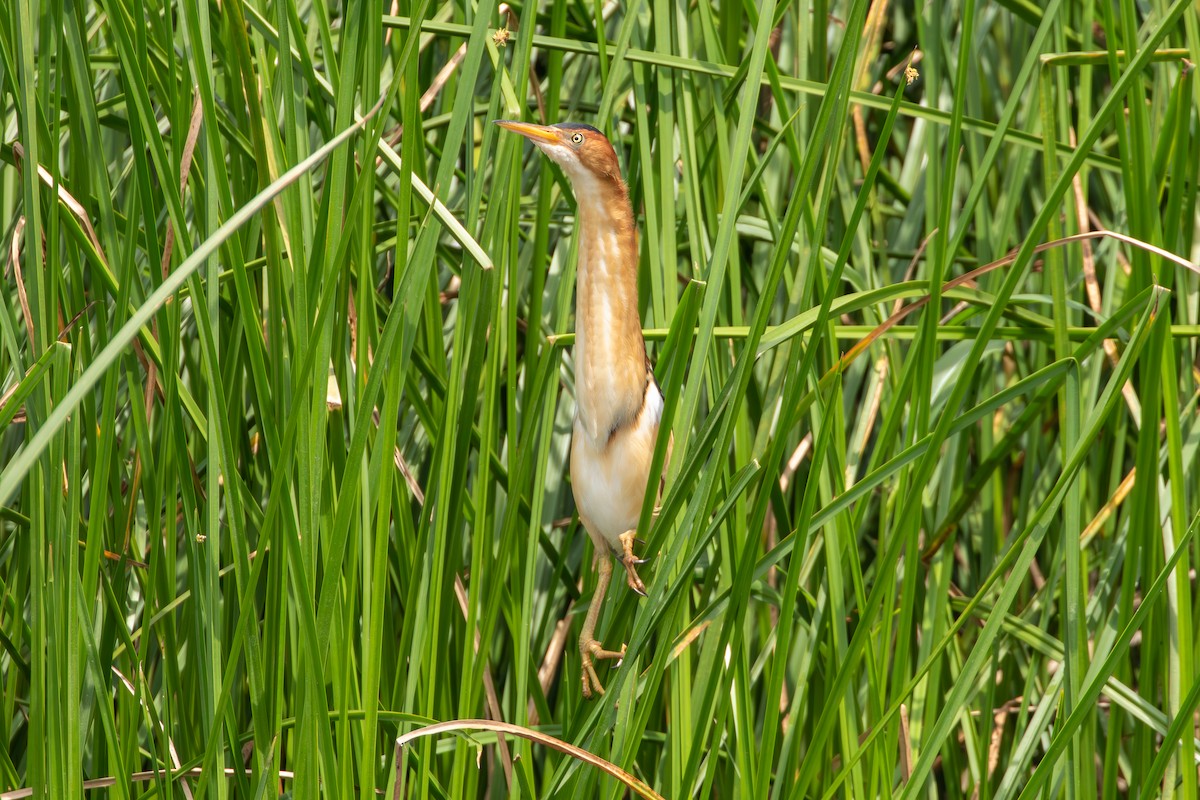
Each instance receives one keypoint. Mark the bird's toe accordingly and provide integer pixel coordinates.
(635, 582)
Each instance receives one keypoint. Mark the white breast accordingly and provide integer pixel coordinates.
(609, 478)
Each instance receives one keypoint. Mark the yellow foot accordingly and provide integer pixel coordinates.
(630, 562)
(589, 650)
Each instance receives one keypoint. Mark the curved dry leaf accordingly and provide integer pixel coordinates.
(15, 263)
(635, 784)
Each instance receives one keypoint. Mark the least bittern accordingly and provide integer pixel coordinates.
(618, 405)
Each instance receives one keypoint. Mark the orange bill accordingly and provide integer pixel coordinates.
(537, 133)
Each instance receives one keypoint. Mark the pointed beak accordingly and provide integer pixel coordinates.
(538, 134)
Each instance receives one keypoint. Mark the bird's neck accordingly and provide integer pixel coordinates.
(610, 354)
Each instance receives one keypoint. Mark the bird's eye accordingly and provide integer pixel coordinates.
(577, 138)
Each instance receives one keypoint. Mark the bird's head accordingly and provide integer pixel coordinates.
(582, 151)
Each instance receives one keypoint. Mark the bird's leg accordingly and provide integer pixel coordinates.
(630, 562)
(589, 648)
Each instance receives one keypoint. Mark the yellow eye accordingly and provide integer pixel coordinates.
(577, 138)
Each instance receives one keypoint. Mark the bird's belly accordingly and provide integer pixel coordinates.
(608, 478)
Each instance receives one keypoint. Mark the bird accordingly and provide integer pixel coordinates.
(618, 404)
